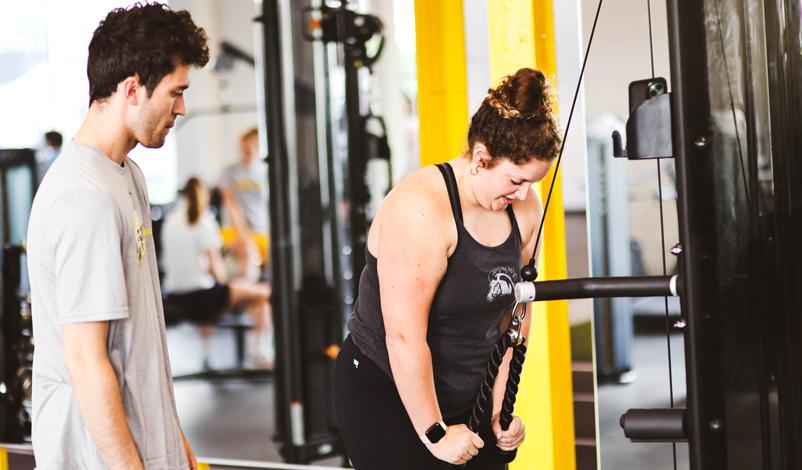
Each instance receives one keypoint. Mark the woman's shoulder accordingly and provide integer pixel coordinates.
(420, 199)
(423, 186)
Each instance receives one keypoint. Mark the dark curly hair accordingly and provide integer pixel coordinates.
(515, 120)
(147, 40)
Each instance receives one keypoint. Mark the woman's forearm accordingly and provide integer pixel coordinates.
(411, 363)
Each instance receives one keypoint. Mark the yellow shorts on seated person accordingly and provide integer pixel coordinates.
(229, 234)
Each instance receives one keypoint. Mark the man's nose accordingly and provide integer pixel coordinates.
(178, 106)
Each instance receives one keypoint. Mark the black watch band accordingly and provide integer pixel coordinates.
(435, 432)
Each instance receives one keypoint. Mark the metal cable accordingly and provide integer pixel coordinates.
(663, 248)
(565, 134)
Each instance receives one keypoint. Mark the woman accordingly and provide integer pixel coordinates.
(195, 276)
(436, 292)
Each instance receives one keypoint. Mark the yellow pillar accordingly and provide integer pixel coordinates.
(204, 466)
(521, 34)
(442, 84)
(3, 458)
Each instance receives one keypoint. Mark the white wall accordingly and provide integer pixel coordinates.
(620, 51)
(207, 143)
(395, 85)
(620, 55)
(570, 53)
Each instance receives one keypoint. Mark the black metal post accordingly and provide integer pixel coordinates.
(284, 301)
(692, 141)
(357, 189)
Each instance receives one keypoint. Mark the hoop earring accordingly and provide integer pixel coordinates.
(474, 171)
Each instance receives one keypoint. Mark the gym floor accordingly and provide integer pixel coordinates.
(649, 390)
(231, 418)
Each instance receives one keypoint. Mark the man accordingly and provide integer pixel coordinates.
(243, 186)
(244, 189)
(102, 387)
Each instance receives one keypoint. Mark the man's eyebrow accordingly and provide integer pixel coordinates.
(182, 87)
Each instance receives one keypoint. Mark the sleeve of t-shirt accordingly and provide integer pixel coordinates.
(227, 178)
(85, 230)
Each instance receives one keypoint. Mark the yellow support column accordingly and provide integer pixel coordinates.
(442, 84)
(3, 458)
(521, 34)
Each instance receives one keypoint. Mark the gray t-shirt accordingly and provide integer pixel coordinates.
(249, 186)
(91, 258)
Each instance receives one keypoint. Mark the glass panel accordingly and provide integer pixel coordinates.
(731, 126)
(757, 79)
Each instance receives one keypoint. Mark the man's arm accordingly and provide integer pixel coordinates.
(235, 212)
(191, 459)
(97, 393)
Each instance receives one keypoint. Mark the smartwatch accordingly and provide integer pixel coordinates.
(435, 432)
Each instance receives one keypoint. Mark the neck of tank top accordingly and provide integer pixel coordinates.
(465, 191)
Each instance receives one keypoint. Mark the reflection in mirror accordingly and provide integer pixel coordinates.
(246, 385)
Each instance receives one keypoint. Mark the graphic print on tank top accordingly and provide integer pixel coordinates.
(501, 280)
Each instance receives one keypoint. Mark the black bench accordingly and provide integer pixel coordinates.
(237, 323)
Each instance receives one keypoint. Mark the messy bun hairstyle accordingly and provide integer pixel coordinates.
(515, 120)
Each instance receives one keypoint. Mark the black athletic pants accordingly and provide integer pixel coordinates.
(374, 424)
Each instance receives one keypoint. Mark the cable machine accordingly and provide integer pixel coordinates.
(731, 122)
(321, 136)
(18, 184)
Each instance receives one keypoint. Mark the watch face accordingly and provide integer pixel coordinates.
(435, 433)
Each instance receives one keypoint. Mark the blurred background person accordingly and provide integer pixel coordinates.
(243, 187)
(195, 277)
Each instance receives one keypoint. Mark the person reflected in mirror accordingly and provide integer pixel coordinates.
(243, 186)
(196, 280)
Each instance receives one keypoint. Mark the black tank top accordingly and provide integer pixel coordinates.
(467, 308)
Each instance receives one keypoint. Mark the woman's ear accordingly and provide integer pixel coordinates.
(479, 155)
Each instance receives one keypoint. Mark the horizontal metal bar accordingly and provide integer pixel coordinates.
(17, 449)
(598, 287)
(252, 464)
(655, 425)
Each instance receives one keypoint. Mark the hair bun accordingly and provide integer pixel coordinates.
(524, 94)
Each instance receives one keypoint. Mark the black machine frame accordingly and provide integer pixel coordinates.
(740, 231)
(740, 278)
(743, 328)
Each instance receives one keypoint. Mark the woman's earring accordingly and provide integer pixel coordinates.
(474, 171)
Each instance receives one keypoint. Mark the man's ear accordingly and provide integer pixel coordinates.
(128, 89)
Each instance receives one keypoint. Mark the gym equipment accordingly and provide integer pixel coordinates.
(18, 183)
(740, 218)
(317, 214)
(16, 349)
